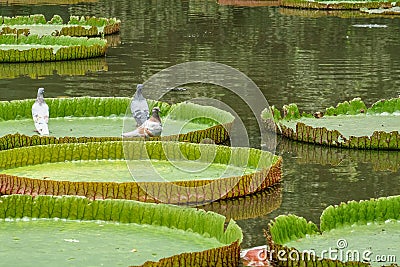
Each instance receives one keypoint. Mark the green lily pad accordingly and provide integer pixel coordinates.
(345, 14)
(338, 5)
(349, 124)
(117, 170)
(77, 120)
(362, 233)
(74, 231)
(376, 243)
(352, 125)
(33, 48)
(77, 26)
(89, 126)
(156, 171)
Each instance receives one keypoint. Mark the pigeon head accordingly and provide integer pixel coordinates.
(139, 87)
(155, 116)
(40, 92)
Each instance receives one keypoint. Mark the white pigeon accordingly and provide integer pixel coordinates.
(139, 106)
(40, 113)
(151, 127)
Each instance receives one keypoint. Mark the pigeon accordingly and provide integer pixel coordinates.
(40, 113)
(150, 128)
(139, 107)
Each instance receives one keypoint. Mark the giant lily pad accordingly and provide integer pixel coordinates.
(78, 120)
(317, 13)
(362, 233)
(170, 172)
(38, 70)
(349, 124)
(32, 48)
(77, 26)
(81, 232)
(338, 5)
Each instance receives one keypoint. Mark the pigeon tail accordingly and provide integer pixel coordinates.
(42, 128)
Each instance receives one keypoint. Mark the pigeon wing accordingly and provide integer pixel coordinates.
(140, 110)
(40, 115)
(152, 128)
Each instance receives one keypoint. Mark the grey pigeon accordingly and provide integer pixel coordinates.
(40, 113)
(139, 107)
(151, 127)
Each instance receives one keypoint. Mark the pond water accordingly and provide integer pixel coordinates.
(315, 59)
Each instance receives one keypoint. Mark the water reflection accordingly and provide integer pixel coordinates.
(249, 207)
(305, 153)
(312, 184)
(36, 70)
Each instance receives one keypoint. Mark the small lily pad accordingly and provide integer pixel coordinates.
(77, 26)
(364, 233)
(349, 124)
(34, 48)
(337, 5)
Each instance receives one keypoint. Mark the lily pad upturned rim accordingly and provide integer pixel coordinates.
(322, 136)
(192, 192)
(337, 5)
(49, 48)
(77, 208)
(76, 26)
(290, 227)
(105, 106)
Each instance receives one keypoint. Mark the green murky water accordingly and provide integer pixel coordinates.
(376, 243)
(118, 171)
(90, 126)
(92, 243)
